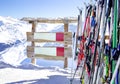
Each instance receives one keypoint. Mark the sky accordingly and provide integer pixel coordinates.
(40, 8)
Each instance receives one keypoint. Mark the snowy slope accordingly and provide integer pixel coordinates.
(13, 38)
(15, 67)
(31, 74)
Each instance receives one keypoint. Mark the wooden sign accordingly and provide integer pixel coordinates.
(58, 53)
(62, 37)
(48, 52)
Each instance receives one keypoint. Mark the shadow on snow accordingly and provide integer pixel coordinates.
(55, 79)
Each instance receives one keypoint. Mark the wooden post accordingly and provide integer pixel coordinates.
(33, 44)
(65, 45)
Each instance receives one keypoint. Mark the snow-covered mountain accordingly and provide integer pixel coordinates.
(13, 38)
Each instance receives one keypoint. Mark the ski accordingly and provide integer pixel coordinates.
(114, 39)
(75, 43)
(100, 5)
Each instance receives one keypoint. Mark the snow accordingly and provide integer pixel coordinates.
(15, 67)
(11, 56)
(34, 74)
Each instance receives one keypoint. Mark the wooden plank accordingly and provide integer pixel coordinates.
(31, 49)
(48, 20)
(49, 57)
(68, 52)
(44, 56)
(33, 44)
(67, 37)
(66, 59)
(62, 42)
(46, 51)
(31, 55)
(30, 36)
(45, 36)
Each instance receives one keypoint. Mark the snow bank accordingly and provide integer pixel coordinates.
(34, 74)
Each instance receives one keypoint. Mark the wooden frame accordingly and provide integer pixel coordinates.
(67, 38)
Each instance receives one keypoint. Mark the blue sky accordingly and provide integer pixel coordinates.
(40, 8)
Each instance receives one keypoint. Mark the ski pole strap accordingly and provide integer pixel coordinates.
(116, 52)
(115, 72)
(119, 11)
(107, 50)
(109, 20)
(93, 22)
(101, 2)
(118, 48)
(109, 7)
(98, 43)
(79, 38)
(73, 34)
(93, 12)
(89, 9)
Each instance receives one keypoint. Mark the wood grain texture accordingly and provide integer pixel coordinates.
(67, 37)
(31, 49)
(52, 20)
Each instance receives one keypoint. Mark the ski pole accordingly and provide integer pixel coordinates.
(95, 50)
(115, 71)
(71, 81)
(114, 40)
